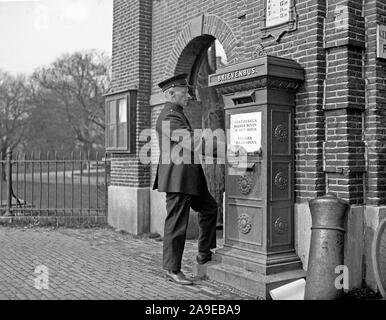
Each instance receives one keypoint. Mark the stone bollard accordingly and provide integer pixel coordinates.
(327, 246)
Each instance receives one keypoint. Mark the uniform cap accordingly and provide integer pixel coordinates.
(176, 81)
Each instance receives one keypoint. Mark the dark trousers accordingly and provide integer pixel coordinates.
(178, 206)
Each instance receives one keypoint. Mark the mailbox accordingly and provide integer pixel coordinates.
(259, 98)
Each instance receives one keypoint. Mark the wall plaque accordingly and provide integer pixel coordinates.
(381, 41)
(341, 18)
(245, 130)
(277, 12)
(279, 17)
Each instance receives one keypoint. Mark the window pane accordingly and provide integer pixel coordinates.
(122, 135)
(112, 112)
(122, 113)
(112, 136)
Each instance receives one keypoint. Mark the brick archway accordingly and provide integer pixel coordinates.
(194, 38)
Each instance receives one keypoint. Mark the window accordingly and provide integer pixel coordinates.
(121, 121)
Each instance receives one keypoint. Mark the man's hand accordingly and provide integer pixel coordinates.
(237, 150)
(231, 148)
(242, 151)
(237, 159)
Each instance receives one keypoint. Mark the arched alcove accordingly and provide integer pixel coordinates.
(191, 52)
(192, 39)
(201, 57)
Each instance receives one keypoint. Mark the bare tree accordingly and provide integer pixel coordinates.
(15, 108)
(48, 130)
(78, 81)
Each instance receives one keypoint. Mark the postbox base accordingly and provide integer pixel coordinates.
(253, 283)
(260, 262)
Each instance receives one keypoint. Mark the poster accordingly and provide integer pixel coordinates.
(245, 130)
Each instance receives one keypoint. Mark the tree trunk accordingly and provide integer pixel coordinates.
(3, 152)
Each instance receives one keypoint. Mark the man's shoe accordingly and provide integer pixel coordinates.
(178, 277)
(203, 258)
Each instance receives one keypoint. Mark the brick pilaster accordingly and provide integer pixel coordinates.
(131, 64)
(345, 99)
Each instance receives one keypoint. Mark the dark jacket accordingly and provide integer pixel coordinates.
(186, 177)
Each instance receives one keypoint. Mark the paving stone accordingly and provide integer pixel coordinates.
(94, 264)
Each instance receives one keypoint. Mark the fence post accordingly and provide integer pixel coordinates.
(9, 182)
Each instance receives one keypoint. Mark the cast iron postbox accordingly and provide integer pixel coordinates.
(259, 98)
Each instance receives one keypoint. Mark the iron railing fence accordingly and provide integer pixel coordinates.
(53, 185)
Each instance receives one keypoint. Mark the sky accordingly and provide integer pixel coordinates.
(34, 33)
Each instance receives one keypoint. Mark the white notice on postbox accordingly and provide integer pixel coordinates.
(245, 130)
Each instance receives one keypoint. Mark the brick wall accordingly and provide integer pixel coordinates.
(240, 38)
(340, 105)
(345, 99)
(131, 69)
(375, 75)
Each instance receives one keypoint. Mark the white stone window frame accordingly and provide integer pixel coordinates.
(129, 133)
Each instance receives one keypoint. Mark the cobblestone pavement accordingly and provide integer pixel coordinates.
(95, 263)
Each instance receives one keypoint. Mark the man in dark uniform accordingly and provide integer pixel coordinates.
(184, 183)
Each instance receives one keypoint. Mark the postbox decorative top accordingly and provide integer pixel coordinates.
(265, 66)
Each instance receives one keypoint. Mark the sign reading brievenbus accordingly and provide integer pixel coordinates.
(232, 76)
(245, 130)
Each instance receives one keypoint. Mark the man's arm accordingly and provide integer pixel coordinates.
(190, 141)
(196, 142)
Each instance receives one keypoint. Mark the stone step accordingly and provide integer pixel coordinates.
(250, 282)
